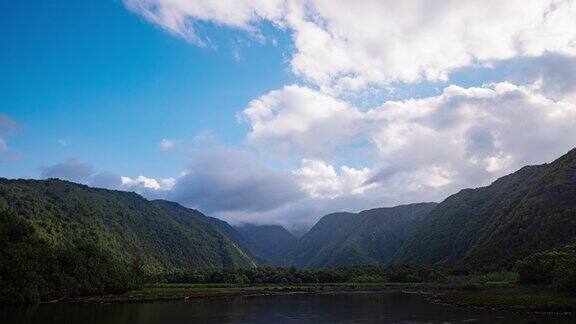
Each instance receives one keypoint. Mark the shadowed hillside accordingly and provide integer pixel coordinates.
(269, 242)
(369, 237)
(530, 210)
(162, 234)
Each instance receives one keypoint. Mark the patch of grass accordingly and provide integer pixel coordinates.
(490, 291)
(517, 299)
(171, 291)
(496, 278)
(368, 279)
(476, 282)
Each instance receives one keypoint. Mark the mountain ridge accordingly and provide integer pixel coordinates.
(530, 210)
(164, 234)
(368, 237)
(268, 242)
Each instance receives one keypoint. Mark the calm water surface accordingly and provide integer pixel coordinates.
(324, 308)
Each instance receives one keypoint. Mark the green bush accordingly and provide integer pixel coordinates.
(554, 267)
(496, 277)
(536, 270)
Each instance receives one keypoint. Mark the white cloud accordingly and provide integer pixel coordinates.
(233, 180)
(554, 73)
(180, 16)
(320, 180)
(167, 183)
(148, 183)
(409, 41)
(77, 171)
(422, 148)
(167, 144)
(348, 45)
(474, 133)
(299, 119)
(418, 149)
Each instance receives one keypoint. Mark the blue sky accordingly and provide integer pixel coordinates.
(105, 80)
(281, 111)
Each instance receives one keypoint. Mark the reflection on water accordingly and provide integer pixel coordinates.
(323, 308)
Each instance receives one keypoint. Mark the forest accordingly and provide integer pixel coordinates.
(33, 269)
(60, 239)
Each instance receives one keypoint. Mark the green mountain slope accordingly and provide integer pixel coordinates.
(530, 210)
(369, 237)
(161, 234)
(269, 243)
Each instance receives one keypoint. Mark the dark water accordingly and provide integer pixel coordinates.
(325, 308)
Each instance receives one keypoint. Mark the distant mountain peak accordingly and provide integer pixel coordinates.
(270, 242)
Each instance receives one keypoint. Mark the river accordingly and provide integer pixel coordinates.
(297, 308)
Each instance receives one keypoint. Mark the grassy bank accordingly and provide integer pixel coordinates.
(175, 291)
(502, 291)
(514, 299)
(494, 291)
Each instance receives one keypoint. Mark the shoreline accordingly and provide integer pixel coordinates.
(226, 292)
(517, 299)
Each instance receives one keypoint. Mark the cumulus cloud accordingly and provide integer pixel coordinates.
(148, 183)
(221, 180)
(320, 180)
(71, 170)
(410, 41)
(425, 148)
(397, 41)
(84, 173)
(167, 144)
(106, 180)
(420, 149)
(474, 133)
(555, 73)
(301, 120)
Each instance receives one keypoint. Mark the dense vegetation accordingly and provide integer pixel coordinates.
(556, 267)
(531, 210)
(163, 235)
(269, 243)
(370, 237)
(266, 245)
(275, 275)
(60, 239)
(32, 269)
